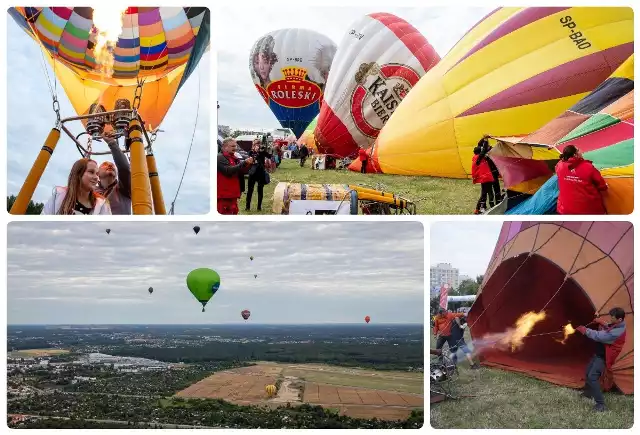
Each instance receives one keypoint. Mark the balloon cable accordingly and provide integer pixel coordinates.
(186, 163)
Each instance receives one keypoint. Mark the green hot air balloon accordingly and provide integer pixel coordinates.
(203, 284)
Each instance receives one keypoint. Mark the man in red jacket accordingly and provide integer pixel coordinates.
(609, 338)
(580, 184)
(230, 169)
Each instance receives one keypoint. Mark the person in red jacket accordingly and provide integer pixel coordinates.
(442, 328)
(580, 184)
(610, 338)
(362, 153)
(481, 174)
(230, 169)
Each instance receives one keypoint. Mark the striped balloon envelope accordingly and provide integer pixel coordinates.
(99, 53)
(514, 71)
(380, 58)
(600, 125)
(308, 137)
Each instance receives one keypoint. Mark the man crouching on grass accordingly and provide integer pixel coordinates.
(609, 338)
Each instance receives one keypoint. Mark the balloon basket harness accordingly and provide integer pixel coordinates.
(124, 121)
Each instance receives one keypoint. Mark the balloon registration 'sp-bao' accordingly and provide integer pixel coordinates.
(289, 68)
(98, 59)
(380, 58)
(514, 71)
(571, 271)
(203, 284)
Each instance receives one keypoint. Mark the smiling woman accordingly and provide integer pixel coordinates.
(122, 69)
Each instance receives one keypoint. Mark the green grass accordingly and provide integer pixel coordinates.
(510, 400)
(431, 195)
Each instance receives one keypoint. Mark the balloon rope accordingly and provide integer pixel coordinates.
(186, 163)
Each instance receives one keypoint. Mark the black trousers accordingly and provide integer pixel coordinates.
(595, 368)
(496, 187)
(257, 177)
(486, 190)
(302, 160)
(363, 170)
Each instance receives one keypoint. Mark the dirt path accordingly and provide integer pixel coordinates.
(287, 392)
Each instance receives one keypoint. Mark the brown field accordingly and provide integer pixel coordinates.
(353, 392)
(32, 353)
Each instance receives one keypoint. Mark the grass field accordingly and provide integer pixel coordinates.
(492, 399)
(431, 195)
(33, 353)
(353, 392)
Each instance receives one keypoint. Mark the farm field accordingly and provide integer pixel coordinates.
(33, 353)
(353, 392)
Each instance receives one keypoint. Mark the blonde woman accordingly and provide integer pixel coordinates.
(79, 196)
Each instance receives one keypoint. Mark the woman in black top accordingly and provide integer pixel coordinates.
(258, 172)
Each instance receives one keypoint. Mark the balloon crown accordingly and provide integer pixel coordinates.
(294, 73)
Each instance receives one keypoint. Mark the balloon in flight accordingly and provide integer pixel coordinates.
(245, 314)
(108, 231)
(203, 283)
(150, 290)
(367, 319)
(196, 229)
(289, 68)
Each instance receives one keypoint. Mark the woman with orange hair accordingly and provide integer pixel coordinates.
(79, 197)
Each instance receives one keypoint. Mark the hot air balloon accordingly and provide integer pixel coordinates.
(308, 136)
(251, 258)
(378, 61)
(513, 72)
(289, 68)
(570, 270)
(367, 319)
(245, 314)
(133, 59)
(271, 390)
(161, 45)
(600, 125)
(150, 290)
(108, 231)
(203, 284)
(196, 229)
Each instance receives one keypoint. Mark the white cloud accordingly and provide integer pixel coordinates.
(66, 272)
(466, 245)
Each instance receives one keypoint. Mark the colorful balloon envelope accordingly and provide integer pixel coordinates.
(367, 319)
(245, 314)
(379, 60)
(161, 45)
(203, 283)
(514, 71)
(289, 68)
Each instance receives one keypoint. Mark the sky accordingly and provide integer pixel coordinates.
(466, 245)
(28, 93)
(240, 103)
(76, 273)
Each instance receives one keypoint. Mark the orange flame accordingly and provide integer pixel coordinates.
(108, 23)
(513, 338)
(568, 330)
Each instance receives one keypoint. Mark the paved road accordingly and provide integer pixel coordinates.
(162, 425)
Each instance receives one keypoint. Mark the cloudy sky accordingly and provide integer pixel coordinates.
(69, 273)
(30, 118)
(240, 103)
(466, 245)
